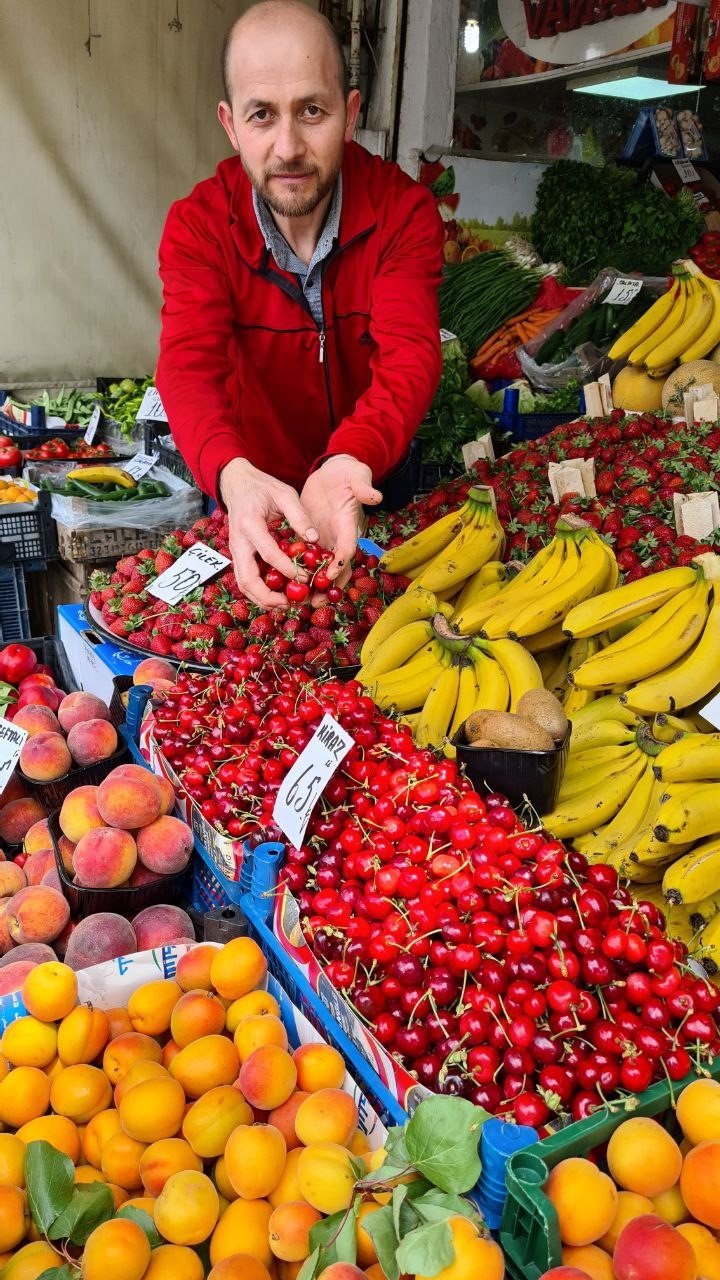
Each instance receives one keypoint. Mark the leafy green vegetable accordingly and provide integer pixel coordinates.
(453, 418)
(444, 185)
(657, 230)
(49, 1178)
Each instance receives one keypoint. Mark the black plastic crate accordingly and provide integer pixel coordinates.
(124, 901)
(167, 457)
(31, 535)
(14, 613)
(51, 653)
(27, 437)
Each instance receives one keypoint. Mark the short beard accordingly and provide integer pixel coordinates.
(298, 206)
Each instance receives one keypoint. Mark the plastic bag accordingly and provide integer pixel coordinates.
(588, 360)
(179, 510)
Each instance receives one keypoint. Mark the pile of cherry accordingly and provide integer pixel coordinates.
(489, 960)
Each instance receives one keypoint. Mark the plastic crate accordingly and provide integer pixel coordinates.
(529, 1232)
(210, 889)
(529, 426)
(27, 437)
(31, 535)
(14, 613)
(168, 457)
(51, 653)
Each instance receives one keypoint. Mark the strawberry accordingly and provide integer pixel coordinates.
(163, 560)
(201, 631)
(604, 482)
(303, 643)
(96, 599)
(173, 628)
(120, 626)
(321, 635)
(371, 613)
(183, 651)
(262, 627)
(131, 606)
(126, 566)
(235, 640)
(229, 582)
(324, 616)
(240, 610)
(319, 657)
(367, 585)
(219, 618)
(161, 644)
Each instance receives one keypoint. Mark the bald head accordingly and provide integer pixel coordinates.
(289, 17)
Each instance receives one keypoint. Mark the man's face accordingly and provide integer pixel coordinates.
(288, 120)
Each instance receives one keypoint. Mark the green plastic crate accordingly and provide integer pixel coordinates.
(529, 1232)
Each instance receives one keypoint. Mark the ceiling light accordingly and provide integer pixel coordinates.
(629, 83)
(471, 36)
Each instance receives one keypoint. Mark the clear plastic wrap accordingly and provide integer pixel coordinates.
(180, 509)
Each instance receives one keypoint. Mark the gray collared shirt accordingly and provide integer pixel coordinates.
(309, 274)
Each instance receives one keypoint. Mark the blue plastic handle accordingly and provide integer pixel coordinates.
(37, 417)
(137, 702)
(370, 548)
(266, 862)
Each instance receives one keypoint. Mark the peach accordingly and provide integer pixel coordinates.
(38, 864)
(116, 1250)
(152, 1110)
(158, 926)
(141, 875)
(17, 817)
(60, 1132)
(45, 758)
(120, 1161)
(80, 1093)
(34, 952)
(330, 1115)
(209, 1122)
(24, 1095)
(699, 1182)
(79, 813)
(38, 839)
(325, 1176)
(238, 967)
(92, 741)
(14, 789)
(50, 991)
(193, 968)
(164, 1158)
(196, 1014)
(12, 879)
(249, 1006)
(642, 1157)
(104, 858)
(267, 1077)
(663, 1250)
(53, 881)
(165, 845)
(255, 1159)
(319, 1066)
(99, 937)
(151, 1006)
(205, 1064)
(289, 1229)
(187, 1208)
(66, 849)
(6, 942)
(37, 914)
(129, 797)
(77, 707)
(283, 1117)
(585, 1200)
(243, 1224)
(156, 672)
(82, 1035)
(167, 794)
(35, 719)
(12, 976)
(125, 1050)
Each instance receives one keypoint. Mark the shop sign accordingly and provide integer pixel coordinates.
(555, 17)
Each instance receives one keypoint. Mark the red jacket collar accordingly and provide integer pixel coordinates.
(357, 215)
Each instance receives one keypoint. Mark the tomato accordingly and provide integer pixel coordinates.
(10, 456)
(6, 440)
(16, 662)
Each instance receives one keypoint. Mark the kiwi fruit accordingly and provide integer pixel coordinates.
(515, 732)
(474, 726)
(544, 708)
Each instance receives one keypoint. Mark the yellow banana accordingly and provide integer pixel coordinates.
(559, 570)
(707, 947)
(591, 808)
(685, 818)
(544, 640)
(645, 629)
(557, 680)
(519, 666)
(598, 757)
(408, 687)
(592, 573)
(467, 697)
(666, 328)
(594, 777)
(574, 699)
(628, 818)
(438, 709)
(693, 758)
(484, 582)
(493, 684)
(708, 340)
(645, 326)
(425, 545)
(633, 599)
(702, 912)
(102, 474)
(396, 650)
(684, 683)
(413, 606)
(481, 540)
(696, 321)
(669, 729)
(600, 733)
(534, 578)
(609, 707)
(695, 875)
(678, 924)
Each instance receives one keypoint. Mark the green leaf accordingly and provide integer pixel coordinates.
(144, 1221)
(437, 1206)
(335, 1236)
(381, 1230)
(49, 1178)
(90, 1205)
(397, 1160)
(398, 1196)
(442, 1140)
(428, 1249)
(311, 1266)
(59, 1273)
(345, 1244)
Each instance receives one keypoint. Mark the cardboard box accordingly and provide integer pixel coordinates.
(94, 661)
(107, 544)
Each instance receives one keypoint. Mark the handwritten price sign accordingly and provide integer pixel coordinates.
(308, 778)
(12, 741)
(193, 568)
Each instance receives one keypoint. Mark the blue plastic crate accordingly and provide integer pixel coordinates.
(14, 615)
(210, 888)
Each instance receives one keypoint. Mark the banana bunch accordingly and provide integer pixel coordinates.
(606, 790)
(444, 556)
(437, 678)
(574, 566)
(683, 325)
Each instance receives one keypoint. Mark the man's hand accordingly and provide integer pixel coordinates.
(253, 499)
(334, 496)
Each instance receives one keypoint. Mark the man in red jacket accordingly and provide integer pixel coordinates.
(300, 346)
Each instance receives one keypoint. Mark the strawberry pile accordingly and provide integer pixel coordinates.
(640, 462)
(216, 622)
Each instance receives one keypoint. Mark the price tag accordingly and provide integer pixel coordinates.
(474, 450)
(711, 710)
(12, 740)
(623, 291)
(686, 171)
(308, 778)
(139, 465)
(194, 567)
(447, 336)
(93, 424)
(151, 409)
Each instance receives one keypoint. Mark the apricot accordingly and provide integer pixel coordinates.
(100, 937)
(97, 1132)
(249, 1006)
(589, 1261)
(245, 1223)
(642, 1157)
(210, 1121)
(86, 1173)
(12, 1161)
(59, 1131)
(80, 706)
(663, 1250)
(705, 1247)
(27, 1042)
(116, 1250)
(45, 758)
(12, 879)
(289, 1229)
(170, 1049)
(13, 975)
(145, 1069)
(258, 1030)
(14, 1217)
(37, 914)
(118, 1021)
(120, 1160)
(151, 1005)
(366, 1253)
(79, 813)
(196, 1013)
(82, 1035)
(92, 741)
(255, 1159)
(239, 1266)
(174, 1262)
(123, 1052)
(165, 845)
(193, 968)
(41, 865)
(670, 1205)
(24, 1095)
(347, 1271)
(288, 1188)
(629, 1205)
(153, 1110)
(330, 1115)
(283, 1117)
(161, 925)
(50, 991)
(698, 1111)
(205, 1064)
(700, 1183)
(475, 1255)
(104, 858)
(268, 1077)
(164, 1158)
(238, 968)
(80, 1093)
(585, 1200)
(187, 1208)
(128, 798)
(17, 817)
(29, 1262)
(319, 1066)
(35, 719)
(325, 1176)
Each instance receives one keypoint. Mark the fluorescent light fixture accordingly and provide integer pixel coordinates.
(471, 36)
(629, 83)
